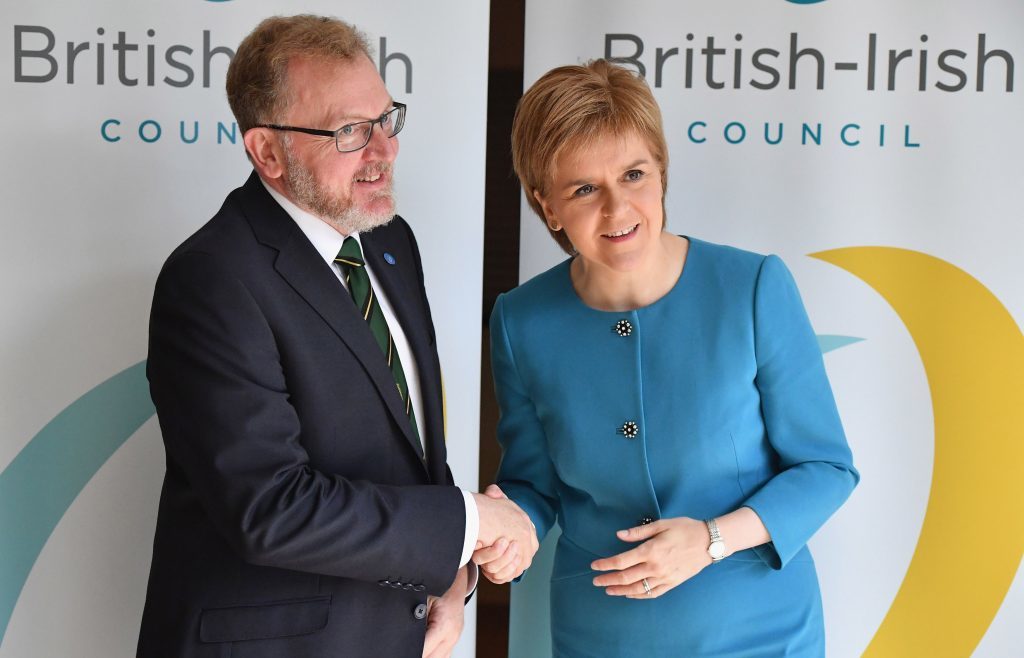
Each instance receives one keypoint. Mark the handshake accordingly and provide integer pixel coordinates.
(507, 541)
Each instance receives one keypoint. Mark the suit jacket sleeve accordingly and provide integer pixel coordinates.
(816, 472)
(223, 401)
(526, 474)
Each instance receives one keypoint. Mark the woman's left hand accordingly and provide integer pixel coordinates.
(673, 550)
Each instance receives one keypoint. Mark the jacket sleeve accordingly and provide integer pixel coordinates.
(815, 468)
(232, 434)
(526, 474)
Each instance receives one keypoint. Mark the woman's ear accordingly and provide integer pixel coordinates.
(549, 215)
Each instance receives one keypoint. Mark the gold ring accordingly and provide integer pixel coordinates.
(647, 587)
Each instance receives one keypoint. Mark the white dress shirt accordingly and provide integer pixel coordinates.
(327, 242)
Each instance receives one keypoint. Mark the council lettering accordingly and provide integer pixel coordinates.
(848, 134)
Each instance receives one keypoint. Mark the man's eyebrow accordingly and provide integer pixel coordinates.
(346, 119)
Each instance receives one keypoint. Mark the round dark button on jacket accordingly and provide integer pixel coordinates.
(647, 519)
(629, 429)
(420, 611)
(623, 328)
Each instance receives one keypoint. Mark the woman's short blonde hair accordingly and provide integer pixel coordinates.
(571, 106)
(257, 79)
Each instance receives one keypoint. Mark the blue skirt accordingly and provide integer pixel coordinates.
(739, 607)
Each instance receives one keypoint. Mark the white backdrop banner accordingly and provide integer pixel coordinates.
(119, 144)
(877, 147)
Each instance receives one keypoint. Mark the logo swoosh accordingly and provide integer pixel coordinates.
(972, 538)
(39, 485)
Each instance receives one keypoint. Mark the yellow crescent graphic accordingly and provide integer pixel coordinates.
(972, 538)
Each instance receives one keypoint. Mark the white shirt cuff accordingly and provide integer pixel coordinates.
(472, 527)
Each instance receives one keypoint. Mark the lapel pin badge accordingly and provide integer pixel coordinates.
(389, 258)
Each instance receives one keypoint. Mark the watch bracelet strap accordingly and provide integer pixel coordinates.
(712, 525)
(716, 537)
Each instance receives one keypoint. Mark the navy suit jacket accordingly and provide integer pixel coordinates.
(298, 516)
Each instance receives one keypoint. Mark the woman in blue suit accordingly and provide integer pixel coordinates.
(662, 397)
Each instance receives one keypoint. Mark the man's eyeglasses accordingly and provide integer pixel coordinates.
(354, 136)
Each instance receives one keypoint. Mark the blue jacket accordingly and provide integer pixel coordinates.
(712, 398)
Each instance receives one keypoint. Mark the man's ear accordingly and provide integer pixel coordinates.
(265, 152)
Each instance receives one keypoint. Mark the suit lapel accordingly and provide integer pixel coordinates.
(306, 272)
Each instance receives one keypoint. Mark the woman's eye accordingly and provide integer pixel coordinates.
(583, 191)
(634, 174)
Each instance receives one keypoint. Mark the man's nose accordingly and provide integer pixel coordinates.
(380, 145)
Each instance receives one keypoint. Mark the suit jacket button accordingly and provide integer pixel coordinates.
(420, 611)
(623, 328)
(647, 519)
(383, 583)
(420, 588)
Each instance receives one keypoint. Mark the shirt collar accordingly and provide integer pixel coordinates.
(326, 240)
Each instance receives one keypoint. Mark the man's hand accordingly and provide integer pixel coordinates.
(445, 618)
(508, 540)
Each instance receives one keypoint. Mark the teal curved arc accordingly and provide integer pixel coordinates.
(43, 480)
(829, 342)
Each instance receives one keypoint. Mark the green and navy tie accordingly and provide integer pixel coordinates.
(353, 267)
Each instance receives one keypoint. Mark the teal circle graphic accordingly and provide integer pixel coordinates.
(805, 2)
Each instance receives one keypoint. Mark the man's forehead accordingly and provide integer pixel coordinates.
(338, 90)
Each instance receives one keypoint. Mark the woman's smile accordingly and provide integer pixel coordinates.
(623, 235)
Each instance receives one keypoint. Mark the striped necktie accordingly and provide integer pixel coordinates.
(353, 267)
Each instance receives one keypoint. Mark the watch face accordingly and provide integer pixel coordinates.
(716, 550)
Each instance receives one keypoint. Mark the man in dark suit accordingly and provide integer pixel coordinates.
(308, 509)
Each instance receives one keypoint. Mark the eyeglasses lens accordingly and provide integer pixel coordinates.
(355, 136)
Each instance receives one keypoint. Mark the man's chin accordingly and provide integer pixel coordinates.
(360, 220)
(378, 211)
(380, 203)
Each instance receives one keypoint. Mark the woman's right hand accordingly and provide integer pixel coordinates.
(504, 560)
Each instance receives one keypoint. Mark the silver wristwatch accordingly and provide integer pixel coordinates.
(717, 547)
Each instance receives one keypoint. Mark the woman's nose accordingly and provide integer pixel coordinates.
(614, 203)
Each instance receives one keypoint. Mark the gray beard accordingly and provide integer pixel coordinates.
(339, 213)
